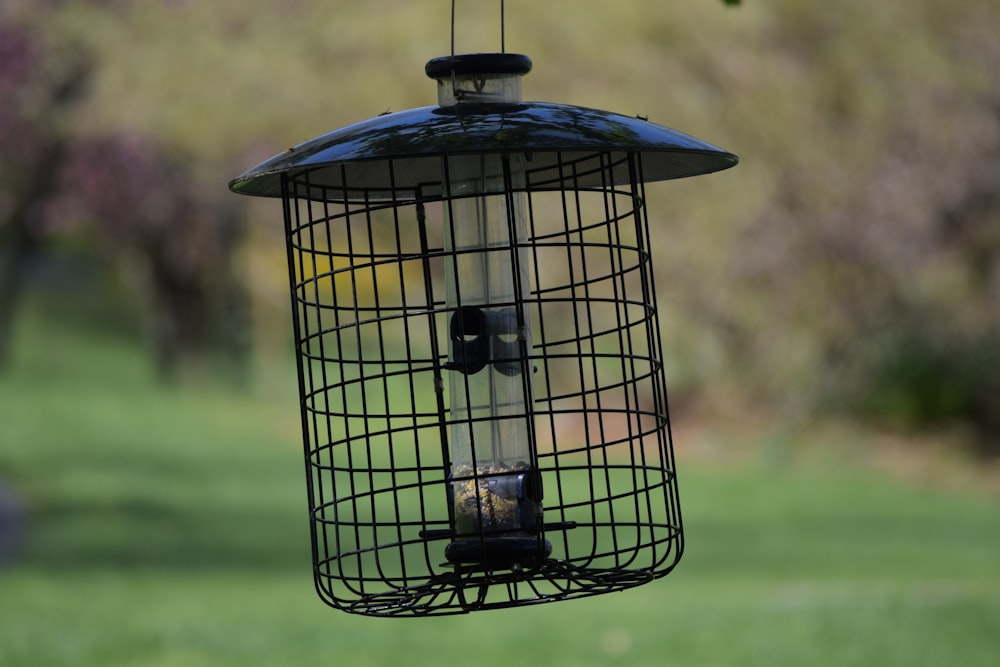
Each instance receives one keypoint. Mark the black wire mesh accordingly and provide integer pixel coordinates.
(380, 376)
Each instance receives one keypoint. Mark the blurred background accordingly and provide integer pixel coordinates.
(831, 312)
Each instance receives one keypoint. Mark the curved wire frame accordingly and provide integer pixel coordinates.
(371, 327)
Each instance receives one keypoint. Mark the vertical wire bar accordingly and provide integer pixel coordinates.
(649, 314)
(360, 381)
(575, 186)
(655, 371)
(654, 357)
(595, 368)
(328, 386)
(321, 509)
(363, 365)
(540, 343)
(626, 357)
(655, 343)
(659, 390)
(431, 306)
(310, 332)
(374, 262)
(514, 249)
(527, 386)
(670, 492)
(410, 374)
(655, 368)
(457, 286)
(288, 198)
(319, 339)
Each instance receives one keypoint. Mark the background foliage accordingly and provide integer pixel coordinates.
(850, 263)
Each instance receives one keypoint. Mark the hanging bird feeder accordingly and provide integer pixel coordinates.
(481, 379)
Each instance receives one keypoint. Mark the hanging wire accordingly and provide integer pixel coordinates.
(503, 26)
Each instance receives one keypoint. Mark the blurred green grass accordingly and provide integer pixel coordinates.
(166, 526)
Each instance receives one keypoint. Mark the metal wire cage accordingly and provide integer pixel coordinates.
(480, 369)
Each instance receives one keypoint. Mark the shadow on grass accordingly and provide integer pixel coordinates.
(146, 534)
(11, 519)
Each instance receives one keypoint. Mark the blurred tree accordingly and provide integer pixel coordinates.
(177, 232)
(143, 203)
(879, 247)
(40, 91)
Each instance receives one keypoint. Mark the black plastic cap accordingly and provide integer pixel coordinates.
(478, 63)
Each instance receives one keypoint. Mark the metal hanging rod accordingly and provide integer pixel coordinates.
(503, 26)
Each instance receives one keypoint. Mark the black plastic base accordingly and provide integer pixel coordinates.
(499, 552)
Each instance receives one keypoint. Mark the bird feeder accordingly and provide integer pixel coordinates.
(481, 380)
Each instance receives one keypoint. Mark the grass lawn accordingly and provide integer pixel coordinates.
(165, 526)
